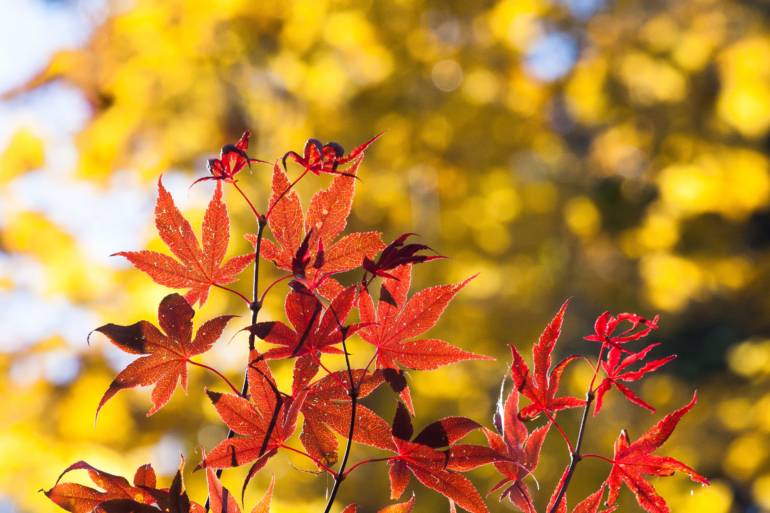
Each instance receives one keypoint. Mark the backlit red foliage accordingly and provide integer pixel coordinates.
(328, 320)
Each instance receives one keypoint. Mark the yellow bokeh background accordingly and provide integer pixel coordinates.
(615, 152)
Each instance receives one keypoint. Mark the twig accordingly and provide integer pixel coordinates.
(353, 392)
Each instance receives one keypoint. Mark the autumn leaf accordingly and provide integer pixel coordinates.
(197, 267)
(232, 160)
(615, 367)
(606, 324)
(395, 254)
(542, 384)
(166, 352)
(320, 158)
(521, 448)
(263, 421)
(397, 320)
(327, 409)
(117, 495)
(434, 468)
(327, 217)
(633, 461)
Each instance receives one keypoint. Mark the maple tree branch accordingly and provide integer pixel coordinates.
(255, 307)
(353, 392)
(575, 455)
(215, 371)
(273, 284)
(560, 429)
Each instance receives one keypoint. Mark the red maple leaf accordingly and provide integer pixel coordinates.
(167, 352)
(521, 448)
(397, 320)
(395, 254)
(118, 495)
(437, 469)
(606, 324)
(615, 368)
(327, 410)
(198, 268)
(320, 158)
(263, 421)
(542, 384)
(327, 217)
(633, 461)
(232, 159)
(315, 330)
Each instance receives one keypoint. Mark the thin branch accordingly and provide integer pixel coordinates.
(340, 476)
(280, 196)
(575, 456)
(255, 306)
(366, 462)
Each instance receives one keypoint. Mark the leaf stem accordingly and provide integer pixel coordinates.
(365, 462)
(251, 205)
(303, 453)
(255, 306)
(215, 371)
(233, 291)
(575, 455)
(353, 392)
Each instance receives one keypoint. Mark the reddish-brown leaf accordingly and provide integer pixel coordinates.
(167, 352)
(118, 496)
(195, 268)
(327, 409)
(634, 461)
(542, 384)
(396, 320)
(327, 217)
(264, 420)
(615, 369)
(432, 467)
(520, 448)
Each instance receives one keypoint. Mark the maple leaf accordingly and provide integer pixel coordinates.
(199, 267)
(263, 421)
(606, 324)
(521, 448)
(590, 504)
(434, 468)
(117, 495)
(395, 254)
(166, 352)
(542, 384)
(222, 501)
(320, 158)
(327, 217)
(392, 327)
(632, 461)
(232, 159)
(315, 330)
(615, 368)
(327, 409)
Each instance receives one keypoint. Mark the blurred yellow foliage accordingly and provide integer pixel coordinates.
(613, 152)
